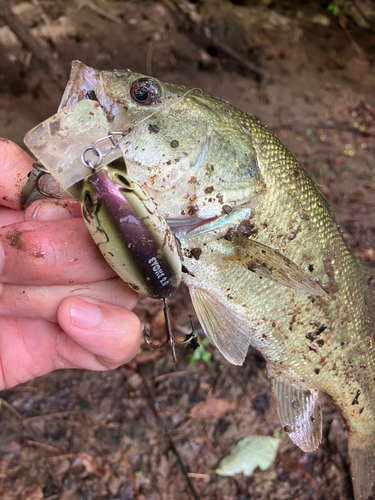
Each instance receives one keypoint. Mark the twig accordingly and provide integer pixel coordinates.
(167, 375)
(52, 415)
(328, 125)
(190, 13)
(369, 109)
(63, 457)
(169, 436)
(131, 474)
(22, 388)
(11, 409)
(363, 15)
(99, 11)
(242, 60)
(150, 52)
(358, 49)
(3, 469)
(44, 55)
(42, 445)
(206, 441)
(198, 476)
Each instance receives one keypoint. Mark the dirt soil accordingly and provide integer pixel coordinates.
(81, 435)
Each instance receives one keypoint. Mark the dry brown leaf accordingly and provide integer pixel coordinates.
(147, 355)
(212, 408)
(33, 493)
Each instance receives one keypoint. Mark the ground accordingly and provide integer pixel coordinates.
(81, 435)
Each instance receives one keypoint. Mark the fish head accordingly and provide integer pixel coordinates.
(188, 150)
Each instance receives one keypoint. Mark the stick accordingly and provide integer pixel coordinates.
(42, 445)
(169, 436)
(191, 14)
(160, 378)
(328, 125)
(11, 409)
(100, 12)
(131, 474)
(23, 388)
(44, 55)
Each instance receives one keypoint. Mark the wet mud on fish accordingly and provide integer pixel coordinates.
(76, 435)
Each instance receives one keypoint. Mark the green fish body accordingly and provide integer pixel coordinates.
(264, 258)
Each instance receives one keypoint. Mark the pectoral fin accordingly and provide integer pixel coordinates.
(299, 412)
(270, 264)
(229, 333)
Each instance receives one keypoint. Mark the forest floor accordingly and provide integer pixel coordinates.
(79, 435)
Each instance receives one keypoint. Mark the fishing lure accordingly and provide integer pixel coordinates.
(122, 219)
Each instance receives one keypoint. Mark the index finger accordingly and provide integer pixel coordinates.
(15, 164)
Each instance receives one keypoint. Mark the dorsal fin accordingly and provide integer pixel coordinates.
(299, 412)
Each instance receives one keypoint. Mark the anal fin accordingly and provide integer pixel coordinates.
(299, 412)
(229, 332)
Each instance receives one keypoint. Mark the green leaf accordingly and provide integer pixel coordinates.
(200, 352)
(333, 9)
(250, 453)
(206, 356)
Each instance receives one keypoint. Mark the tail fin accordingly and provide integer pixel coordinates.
(362, 467)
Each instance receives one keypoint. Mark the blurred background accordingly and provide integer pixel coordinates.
(306, 69)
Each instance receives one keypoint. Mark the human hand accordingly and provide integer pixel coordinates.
(52, 282)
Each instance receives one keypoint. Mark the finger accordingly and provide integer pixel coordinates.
(9, 216)
(58, 252)
(42, 302)
(15, 164)
(26, 348)
(110, 332)
(53, 209)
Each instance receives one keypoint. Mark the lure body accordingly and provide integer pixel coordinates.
(133, 238)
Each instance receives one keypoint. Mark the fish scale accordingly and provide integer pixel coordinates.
(264, 259)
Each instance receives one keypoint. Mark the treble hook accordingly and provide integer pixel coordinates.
(171, 339)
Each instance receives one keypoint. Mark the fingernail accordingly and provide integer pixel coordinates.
(49, 211)
(84, 314)
(1, 258)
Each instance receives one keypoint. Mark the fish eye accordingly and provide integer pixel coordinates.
(145, 91)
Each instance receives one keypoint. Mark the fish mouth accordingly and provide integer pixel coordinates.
(87, 83)
(82, 80)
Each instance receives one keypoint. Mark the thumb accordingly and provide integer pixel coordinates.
(108, 335)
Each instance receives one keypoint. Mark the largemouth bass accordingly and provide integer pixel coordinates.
(264, 258)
